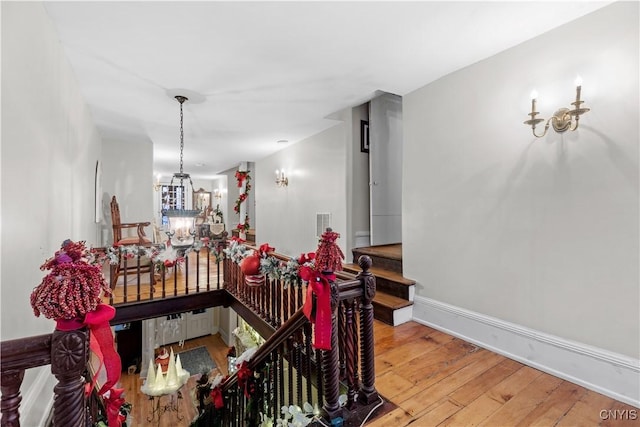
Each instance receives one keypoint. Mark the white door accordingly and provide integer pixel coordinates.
(385, 169)
(171, 329)
(199, 324)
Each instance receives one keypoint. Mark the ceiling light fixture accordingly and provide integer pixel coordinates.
(182, 230)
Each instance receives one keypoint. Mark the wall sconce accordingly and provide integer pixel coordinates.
(217, 193)
(157, 185)
(281, 178)
(563, 119)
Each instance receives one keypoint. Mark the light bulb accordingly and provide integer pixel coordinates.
(578, 80)
(534, 94)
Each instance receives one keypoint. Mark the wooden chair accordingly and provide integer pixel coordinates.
(140, 239)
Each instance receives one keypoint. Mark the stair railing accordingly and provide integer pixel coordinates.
(286, 370)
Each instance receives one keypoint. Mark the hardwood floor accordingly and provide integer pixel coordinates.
(435, 379)
(142, 405)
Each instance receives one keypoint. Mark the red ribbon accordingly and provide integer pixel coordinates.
(216, 397)
(302, 259)
(320, 313)
(100, 342)
(265, 249)
(113, 403)
(244, 374)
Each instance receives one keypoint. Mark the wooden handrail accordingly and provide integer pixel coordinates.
(25, 353)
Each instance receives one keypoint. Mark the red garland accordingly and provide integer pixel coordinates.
(320, 313)
(245, 376)
(113, 404)
(216, 397)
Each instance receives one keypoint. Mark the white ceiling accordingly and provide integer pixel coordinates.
(259, 72)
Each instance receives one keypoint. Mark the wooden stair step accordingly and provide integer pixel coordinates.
(390, 309)
(391, 301)
(381, 272)
(386, 251)
(388, 257)
(390, 282)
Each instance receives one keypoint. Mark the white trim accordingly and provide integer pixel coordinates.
(402, 315)
(31, 406)
(612, 374)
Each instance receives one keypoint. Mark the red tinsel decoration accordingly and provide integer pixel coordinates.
(329, 256)
(74, 286)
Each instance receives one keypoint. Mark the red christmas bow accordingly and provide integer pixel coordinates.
(216, 397)
(100, 341)
(320, 313)
(244, 375)
(306, 258)
(265, 249)
(113, 403)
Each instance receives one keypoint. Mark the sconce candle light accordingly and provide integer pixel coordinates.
(563, 119)
(157, 185)
(281, 178)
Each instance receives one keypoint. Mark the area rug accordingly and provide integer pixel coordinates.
(197, 361)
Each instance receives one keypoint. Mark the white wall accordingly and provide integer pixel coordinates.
(542, 233)
(286, 216)
(127, 173)
(357, 184)
(49, 151)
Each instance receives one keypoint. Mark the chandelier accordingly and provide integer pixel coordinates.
(182, 230)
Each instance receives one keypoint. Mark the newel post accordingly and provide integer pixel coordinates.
(69, 357)
(368, 391)
(331, 365)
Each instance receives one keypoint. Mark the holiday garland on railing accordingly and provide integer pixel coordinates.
(162, 256)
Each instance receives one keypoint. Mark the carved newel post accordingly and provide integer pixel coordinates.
(328, 259)
(71, 295)
(69, 356)
(368, 391)
(331, 362)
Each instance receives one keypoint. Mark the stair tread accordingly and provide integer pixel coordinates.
(381, 272)
(384, 251)
(391, 301)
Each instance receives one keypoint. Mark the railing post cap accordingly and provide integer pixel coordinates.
(365, 262)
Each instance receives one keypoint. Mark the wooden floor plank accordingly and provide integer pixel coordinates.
(549, 412)
(474, 413)
(419, 402)
(397, 417)
(452, 383)
(587, 411)
(471, 390)
(405, 353)
(437, 413)
(390, 384)
(524, 402)
(437, 365)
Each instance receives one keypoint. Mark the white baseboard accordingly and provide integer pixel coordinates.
(402, 315)
(608, 373)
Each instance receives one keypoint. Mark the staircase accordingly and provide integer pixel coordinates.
(393, 303)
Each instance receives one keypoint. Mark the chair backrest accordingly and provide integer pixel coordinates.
(115, 220)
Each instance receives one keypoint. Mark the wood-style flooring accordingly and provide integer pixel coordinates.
(435, 379)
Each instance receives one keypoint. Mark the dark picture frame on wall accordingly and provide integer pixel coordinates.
(364, 136)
